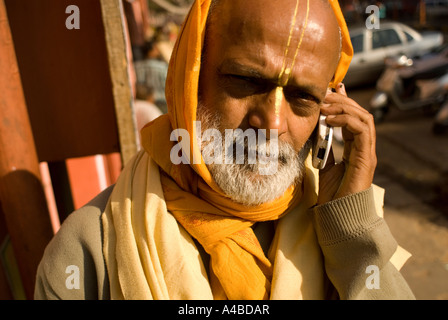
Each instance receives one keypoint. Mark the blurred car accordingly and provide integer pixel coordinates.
(371, 47)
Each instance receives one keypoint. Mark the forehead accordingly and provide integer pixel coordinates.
(271, 31)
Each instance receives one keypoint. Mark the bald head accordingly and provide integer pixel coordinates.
(320, 21)
(214, 4)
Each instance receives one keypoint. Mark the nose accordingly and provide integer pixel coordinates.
(268, 113)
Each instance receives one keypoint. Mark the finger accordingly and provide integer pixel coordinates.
(336, 98)
(353, 124)
(355, 130)
(340, 88)
(354, 110)
(341, 96)
(344, 108)
(336, 110)
(340, 104)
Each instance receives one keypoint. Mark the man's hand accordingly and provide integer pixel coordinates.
(355, 173)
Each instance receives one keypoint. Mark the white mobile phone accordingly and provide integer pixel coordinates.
(322, 143)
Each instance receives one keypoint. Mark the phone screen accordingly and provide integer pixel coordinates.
(322, 143)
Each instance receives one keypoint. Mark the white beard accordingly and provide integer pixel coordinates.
(243, 183)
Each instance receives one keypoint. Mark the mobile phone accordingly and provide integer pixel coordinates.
(322, 143)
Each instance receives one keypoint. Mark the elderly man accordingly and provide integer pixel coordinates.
(176, 226)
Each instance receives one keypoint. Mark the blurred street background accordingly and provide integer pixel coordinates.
(412, 167)
(413, 164)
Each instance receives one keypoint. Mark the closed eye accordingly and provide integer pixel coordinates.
(301, 102)
(297, 94)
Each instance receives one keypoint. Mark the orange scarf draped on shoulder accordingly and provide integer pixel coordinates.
(238, 267)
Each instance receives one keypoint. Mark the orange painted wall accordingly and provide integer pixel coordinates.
(91, 175)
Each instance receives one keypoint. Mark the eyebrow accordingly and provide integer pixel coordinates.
(233, 66)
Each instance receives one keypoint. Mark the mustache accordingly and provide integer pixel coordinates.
(263, 149)
(245, 147)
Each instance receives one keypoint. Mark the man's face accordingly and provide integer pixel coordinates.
(245, 79)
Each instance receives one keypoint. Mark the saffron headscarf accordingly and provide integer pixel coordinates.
(238, 267)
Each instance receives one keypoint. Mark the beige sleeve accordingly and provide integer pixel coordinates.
(72, 267)
(358, 248)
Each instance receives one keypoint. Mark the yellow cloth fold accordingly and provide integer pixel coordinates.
(238, 268)
(149, 255)
(347, 47)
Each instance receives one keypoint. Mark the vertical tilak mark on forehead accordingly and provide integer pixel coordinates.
(278, 103)
(285, 72)
(282, 82)
(288, 44)
(302, 35)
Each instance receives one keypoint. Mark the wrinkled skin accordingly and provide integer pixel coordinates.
(244, 60)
